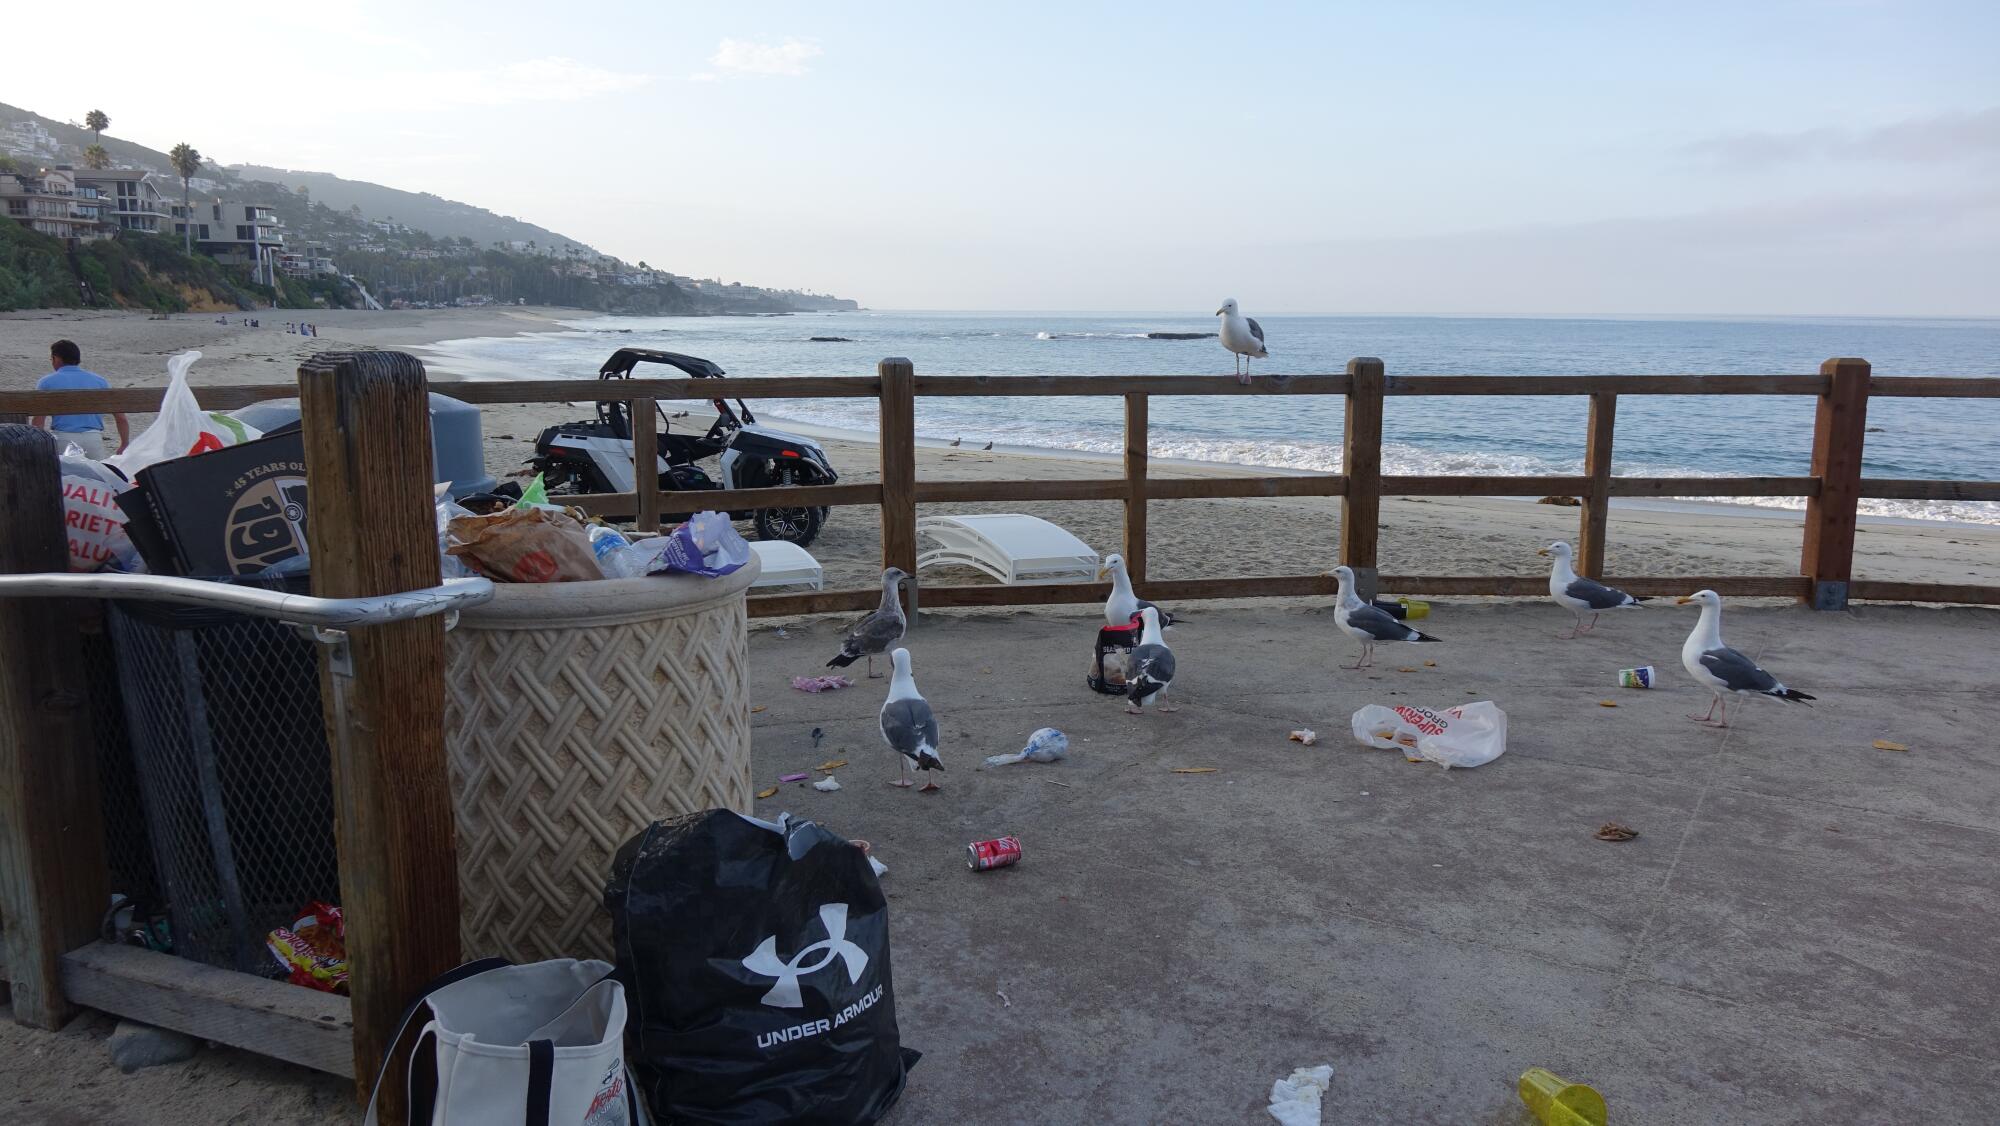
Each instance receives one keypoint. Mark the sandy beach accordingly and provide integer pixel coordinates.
(1188, 539)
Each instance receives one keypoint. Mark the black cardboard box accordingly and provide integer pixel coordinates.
(232, 511)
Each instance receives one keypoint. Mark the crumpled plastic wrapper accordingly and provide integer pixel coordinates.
(821, 683)
(1046, 745)
(1295, 1099)
(313, 950)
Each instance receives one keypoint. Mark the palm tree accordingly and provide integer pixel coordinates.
(96, 157)
(97, 121)
(186, 162)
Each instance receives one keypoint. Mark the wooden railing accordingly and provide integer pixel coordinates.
(1832, 489)
(364, 416)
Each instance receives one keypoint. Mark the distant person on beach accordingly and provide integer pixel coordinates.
(86, 430)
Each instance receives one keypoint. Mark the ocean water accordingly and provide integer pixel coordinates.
(1656, 435)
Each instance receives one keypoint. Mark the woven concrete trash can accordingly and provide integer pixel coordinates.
(575, 715)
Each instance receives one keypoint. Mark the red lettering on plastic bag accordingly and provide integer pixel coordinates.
(535, 567)
(1423, 719)
(207, 443)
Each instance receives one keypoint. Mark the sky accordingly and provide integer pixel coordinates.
(1782, 156)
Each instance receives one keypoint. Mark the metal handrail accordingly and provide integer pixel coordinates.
(450, 597)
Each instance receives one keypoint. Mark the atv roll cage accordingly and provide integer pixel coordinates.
(615, 415)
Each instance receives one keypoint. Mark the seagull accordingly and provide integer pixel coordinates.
(1577, 594)
(908, 725)
(882, 628)
(1368, 624)
(682, 414)
(987, 446)
(1243, 336)
(954, 443)
(1151, 667)
(1123, 605)
(1719, 668)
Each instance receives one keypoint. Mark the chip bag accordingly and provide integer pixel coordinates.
(313, 951)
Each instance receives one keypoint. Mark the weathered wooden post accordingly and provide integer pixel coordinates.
(1361, 462)
(1840, 431)
(644, 412)
(1596, 516)
(372, 531)
(899, 464)
(52, 869)
(1135, 486)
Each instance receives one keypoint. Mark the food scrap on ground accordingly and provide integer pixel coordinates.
(1613, 831)
(1194, 769)
(1886, 745)
(831, 764)
(821, 683)
(767, 791)
(1607, 703)
(1305, 735)
(799, 777)
(758, 708)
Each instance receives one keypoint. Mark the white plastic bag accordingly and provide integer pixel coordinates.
(94, 522)
(181, 428)
(1468, 735)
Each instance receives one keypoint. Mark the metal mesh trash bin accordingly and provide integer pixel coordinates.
(575, 715)
(229, 752)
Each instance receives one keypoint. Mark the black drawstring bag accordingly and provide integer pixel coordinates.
(755, 959)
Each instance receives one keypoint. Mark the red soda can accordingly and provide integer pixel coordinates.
(982, 855)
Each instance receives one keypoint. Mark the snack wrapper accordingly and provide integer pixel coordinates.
(313, 950)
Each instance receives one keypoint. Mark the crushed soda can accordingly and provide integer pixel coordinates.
(1641, 677)
(981, 856)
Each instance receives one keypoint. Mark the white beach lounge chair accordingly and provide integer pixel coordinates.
(787, 564)
(1015, 549)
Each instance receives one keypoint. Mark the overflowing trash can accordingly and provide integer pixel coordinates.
(576, 714)
(232, 773)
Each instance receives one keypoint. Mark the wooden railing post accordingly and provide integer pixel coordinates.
(1135, 485)
(1840, 430)
(1596, 515)
(52, 874)
(371, 531)
(644, 413)
(899, 465)
(1361, 462)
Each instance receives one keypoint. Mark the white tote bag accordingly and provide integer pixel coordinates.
(535, 1045)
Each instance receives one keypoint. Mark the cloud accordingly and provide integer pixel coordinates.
(741, 56)
(1922, 140)
(550, 79)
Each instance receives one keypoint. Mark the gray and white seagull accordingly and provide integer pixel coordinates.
(883, 627)
(908, 725)
(1150, 668)
(1368, 624)
(1577, 594)
(1241, 335)
(1719, 668)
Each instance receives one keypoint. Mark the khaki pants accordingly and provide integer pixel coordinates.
(90, 441)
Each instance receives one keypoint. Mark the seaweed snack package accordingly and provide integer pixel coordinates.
(525, 545)
(95, 523)
(756, 957)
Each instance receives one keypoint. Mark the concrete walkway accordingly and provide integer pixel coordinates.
(1804, 931)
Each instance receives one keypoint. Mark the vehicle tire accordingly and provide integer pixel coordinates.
(793, 525)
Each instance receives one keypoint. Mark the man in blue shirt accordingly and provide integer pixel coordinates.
(86, 430)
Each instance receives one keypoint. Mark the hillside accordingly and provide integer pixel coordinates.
(434, 215)
(420, 248)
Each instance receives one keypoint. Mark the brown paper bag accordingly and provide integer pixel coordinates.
(525, 545)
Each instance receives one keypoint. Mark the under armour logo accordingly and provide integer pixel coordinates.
(785, 994)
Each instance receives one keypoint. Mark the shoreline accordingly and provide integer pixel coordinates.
(1187, 538)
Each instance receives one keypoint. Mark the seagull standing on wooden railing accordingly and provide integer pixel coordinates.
(1243, 336)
